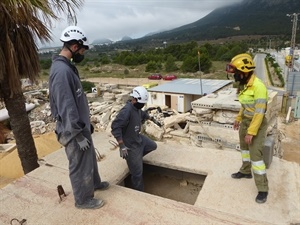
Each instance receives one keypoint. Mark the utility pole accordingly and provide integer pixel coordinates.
(200, 73)
(294, 17)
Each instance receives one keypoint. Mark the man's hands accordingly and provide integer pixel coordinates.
(248, 139)
(123, 150)
(236, 125)
(83, 142)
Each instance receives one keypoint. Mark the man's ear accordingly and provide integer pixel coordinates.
(133, 100)
(74, 47)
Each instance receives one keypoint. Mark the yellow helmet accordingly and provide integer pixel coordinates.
(241, 62)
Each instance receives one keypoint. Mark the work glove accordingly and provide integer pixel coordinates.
(123, 150)
(83, 142)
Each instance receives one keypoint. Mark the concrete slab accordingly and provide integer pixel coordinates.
(222, 200)
(7, 147)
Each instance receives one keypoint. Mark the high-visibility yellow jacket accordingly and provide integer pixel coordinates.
(254, 99)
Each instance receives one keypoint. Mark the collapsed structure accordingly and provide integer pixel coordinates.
(209, 122)
(207, 125)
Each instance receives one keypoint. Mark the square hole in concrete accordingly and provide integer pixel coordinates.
(169, 183)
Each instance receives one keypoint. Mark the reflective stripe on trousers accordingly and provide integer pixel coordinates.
(258, 167)
(245, 155)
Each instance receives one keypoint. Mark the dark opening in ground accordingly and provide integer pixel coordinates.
(168, 183)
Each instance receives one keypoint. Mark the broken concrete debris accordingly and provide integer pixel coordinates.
(209, 124)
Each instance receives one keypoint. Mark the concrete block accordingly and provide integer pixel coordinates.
(7, 147)
(268, 150)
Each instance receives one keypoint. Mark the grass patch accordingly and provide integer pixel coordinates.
(121, 71)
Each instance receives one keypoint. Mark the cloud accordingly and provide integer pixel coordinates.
(114, 19)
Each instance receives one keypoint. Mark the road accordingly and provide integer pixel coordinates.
(262, 73)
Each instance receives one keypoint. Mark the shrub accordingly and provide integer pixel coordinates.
(87, 86)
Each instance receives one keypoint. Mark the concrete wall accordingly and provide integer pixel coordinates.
(178, 102)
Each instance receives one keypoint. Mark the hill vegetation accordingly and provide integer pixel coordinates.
(225, 32)
(251, 17)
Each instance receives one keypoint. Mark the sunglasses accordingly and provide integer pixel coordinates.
(230, 68)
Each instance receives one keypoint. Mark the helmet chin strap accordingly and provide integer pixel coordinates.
(73, 53)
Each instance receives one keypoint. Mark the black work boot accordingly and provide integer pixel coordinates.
(104, 185)
(240, 175)
(261, 197)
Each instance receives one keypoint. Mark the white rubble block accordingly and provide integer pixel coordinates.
(95, 118)
(92, 95)
(108, 127)
(105, 117)
(116, 108)
(110, 86)
(168, 130)
(225, 116)
(272, 107)
(37, 124)
(122, 97)
(100, 109)
(179, 118)
(95, 104)
(7, 147)
(180, 133)
(226, 99)
(108, 96)
(222, 142)
(206, 116)
(154, 130)
(215, 133)
(201, 111)
(167, 136)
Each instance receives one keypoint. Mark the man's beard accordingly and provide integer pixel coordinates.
(244, 80)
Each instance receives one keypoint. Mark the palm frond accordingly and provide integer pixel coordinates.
(22, 22)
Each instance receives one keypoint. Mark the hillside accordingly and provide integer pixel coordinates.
(251, 17)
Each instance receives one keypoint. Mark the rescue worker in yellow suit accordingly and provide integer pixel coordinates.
(251, 123)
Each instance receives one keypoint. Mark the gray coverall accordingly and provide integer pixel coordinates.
(70, 109)
(127, 127)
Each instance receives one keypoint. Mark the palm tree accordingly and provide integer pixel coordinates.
(22, 22)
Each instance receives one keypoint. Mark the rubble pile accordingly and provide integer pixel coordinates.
(209, 124)
(215, 115)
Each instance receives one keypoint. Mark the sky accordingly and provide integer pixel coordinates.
(114, 19)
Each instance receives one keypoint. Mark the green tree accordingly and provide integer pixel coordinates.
(170, 64)
(45, 64)
(221, 52)
(21, 22)
(190, 64)
(153, 66)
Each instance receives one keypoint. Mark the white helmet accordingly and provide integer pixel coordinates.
(74, 33)
(140, 93)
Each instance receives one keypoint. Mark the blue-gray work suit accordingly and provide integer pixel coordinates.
(70, 108)
(127, 127)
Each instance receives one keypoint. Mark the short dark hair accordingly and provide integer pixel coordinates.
(68, 44)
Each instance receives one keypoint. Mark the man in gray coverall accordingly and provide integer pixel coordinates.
(70, 109)
(126, 129)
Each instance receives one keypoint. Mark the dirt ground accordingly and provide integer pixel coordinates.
(291, 140)
(10, 165)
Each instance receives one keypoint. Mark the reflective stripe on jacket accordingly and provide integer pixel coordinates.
(254, 100)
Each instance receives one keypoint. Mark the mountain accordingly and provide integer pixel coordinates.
(102, 41)
(126, 38)
(250, 17)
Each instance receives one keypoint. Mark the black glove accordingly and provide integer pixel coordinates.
(123, 150)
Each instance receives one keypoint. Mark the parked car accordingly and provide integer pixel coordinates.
(155, 77)
(170, 77)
